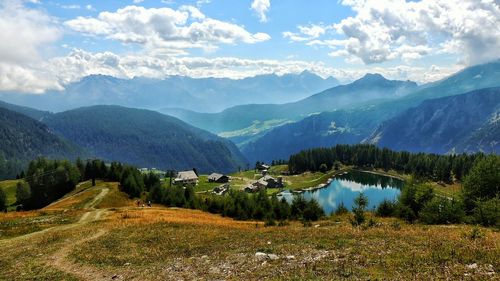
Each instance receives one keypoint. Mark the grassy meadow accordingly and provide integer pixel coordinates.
(98, 233)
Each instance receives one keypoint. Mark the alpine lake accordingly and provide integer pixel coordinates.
(343, 188)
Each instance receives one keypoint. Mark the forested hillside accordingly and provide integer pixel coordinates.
(22, 139)
(146, 139)
(467, 122)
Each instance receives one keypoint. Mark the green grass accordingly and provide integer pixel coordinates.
(204, 185)
(447, 190)
(9, 187)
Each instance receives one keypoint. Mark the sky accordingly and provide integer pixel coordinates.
(47, 44)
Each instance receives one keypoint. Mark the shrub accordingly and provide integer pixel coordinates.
(487, 212)
(412, 199)
(341, 209)
(269, 221)
(360, 204)
(396, 225)
(475, 233)
(323, 168)
(442, 211)
(482, 182)
(312, 211)
(386, 208)
(3, 200)
(406, 213)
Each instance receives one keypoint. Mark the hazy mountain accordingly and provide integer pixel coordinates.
(146, 139)
(22, 139)
(246, 121)
(357, 123)
(320, 130)
(204, 94)
(30, 112)
(467, 122)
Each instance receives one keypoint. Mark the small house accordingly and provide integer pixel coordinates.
(252, 188)
(186, 177)
(215, 177)
(262, 167)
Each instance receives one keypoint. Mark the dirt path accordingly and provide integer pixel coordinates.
(87, 217)
(66, 197)
(60, 261)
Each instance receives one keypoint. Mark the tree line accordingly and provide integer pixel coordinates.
(46, 181)
(444, 168)
(239, 205)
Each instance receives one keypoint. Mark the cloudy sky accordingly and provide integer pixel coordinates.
(47, 44)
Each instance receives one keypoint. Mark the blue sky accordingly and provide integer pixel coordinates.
(52, 43)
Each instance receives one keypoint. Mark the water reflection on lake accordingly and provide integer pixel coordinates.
(344, 188)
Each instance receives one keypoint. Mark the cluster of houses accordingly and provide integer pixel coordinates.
(190, 177)
(266, 181)
(263, 183)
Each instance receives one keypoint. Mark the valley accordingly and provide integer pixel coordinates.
(249, 140)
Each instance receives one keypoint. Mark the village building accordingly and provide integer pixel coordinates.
(221, 189)
(252, 188)
(265, 182)
(186, 177)
(262, 167)
(215, 177)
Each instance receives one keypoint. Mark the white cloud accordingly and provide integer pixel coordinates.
(137, 1)
(57, 72)
(261, 7)
(306, 33)
(396, 29)
(165, 29)
(70, 7)
(24, 32)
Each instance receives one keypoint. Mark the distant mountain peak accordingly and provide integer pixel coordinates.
(372, 77)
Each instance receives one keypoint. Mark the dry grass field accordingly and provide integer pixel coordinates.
(106, 237)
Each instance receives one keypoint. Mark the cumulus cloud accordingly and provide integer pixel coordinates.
(261, 7)
(172, 31)
(410, 30)
(24, 33)
(306, 33)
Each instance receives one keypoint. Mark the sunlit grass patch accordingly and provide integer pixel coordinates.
(14, 224)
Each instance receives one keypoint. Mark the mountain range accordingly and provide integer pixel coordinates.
(354, 124)
(457, 114)
(248, 122)
(113, 133)
(199, 94)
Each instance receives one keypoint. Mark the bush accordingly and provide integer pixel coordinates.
(442, 211)
(360, 204)
(487, 212)
(475, 233)
(312, 211)
(386, 208)
(23, 192)
(341, 209)
(406, 213)
(482, 183)
(269, 221)
(323, 168)
(412, 199)
(3, 200)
